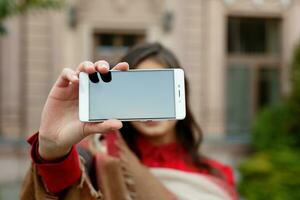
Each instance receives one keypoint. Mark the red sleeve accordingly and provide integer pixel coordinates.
(58, 175)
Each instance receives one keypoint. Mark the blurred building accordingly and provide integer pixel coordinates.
(236, 54)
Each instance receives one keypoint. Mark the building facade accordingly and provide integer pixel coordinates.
(236, 54)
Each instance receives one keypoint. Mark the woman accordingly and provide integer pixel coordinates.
(148, 160)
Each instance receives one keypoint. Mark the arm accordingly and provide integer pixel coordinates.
(60, 127)
(65, 178)
(59, 174)
(60, 130)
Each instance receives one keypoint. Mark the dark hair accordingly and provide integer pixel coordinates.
(188, 132)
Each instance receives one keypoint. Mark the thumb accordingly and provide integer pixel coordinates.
(101, 127)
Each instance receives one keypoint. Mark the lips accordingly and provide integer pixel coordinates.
(151, 123)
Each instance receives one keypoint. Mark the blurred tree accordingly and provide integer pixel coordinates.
(273, 171)
(11, 7)
(294, 100)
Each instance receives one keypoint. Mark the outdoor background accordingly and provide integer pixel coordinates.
(240, 57)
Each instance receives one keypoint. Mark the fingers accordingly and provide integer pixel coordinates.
(67, 75)
(87, 67)
(101, 66)
(102, 127)
(122, 66)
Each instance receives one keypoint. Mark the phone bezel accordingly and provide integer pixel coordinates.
(179, 88)
(180, 110)
(84, 95)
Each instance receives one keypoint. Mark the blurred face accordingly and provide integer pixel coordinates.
(157, 131)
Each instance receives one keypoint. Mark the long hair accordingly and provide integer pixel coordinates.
(188, 132)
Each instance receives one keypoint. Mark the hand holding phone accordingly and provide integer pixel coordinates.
(60, 126)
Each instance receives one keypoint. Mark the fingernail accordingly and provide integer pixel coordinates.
(87, 63)
(75, 77)
(103, 64)
(106, 66)
(124, 63)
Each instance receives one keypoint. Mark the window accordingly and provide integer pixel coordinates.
(253, 35)
(267, 86)
(253, 70)
(111, 46)
(238, 99)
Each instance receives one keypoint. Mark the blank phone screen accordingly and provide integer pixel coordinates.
(145, 94)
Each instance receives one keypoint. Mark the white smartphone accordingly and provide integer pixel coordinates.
(134, 95)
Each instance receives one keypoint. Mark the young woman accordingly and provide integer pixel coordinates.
(142, 160)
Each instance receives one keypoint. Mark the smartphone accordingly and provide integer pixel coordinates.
(134, 95)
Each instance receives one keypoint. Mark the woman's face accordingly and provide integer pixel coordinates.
(154, 129)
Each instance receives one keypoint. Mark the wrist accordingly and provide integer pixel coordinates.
(51, 154)
(48, 149)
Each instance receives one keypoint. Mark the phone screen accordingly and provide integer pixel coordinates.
(145, 94)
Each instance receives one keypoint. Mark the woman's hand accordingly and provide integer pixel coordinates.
(60, 127)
